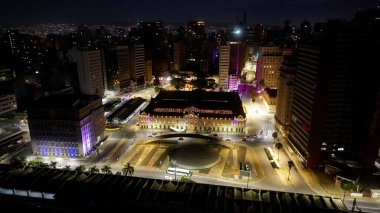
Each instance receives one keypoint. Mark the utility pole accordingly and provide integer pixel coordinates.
(249, 174)
(175, 171)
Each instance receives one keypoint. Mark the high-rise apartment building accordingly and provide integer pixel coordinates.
(285, 92)
(137, 63)
(149, 70)
(269, 63)
(335, 95)
(90, 74)
(224, 64)
(236, 57)
(66, 125)
(115, 68)
(178, 55)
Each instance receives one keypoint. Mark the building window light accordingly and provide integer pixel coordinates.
(323, 148)
(340, 149)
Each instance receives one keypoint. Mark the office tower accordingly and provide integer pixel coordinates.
(335, 96)
(90, 75)
(116, 70)
(224, 64)
(137, 63)
(285, 91)
(178, 56)
(235, 57)
(269, 63)
(66, 125)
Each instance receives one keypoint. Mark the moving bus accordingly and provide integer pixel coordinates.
(179, 171)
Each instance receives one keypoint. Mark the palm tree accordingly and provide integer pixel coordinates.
(346, 186)
(128, 169)
(275, 136)
(94, 169)
(18, 162)
(290, 165)
(278, 146)
(38, 164)
(106, 169)
(80, 168)
(53, 164)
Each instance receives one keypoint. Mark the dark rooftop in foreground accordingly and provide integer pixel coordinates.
(53, 190)
(63, 101)
(197, 99)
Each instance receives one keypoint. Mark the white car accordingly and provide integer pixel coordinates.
(227, 139)
(167, 177)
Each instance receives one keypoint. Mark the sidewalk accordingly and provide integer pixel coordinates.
(307, 174)
(317, 181)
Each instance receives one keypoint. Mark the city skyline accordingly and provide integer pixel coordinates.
(272, 12)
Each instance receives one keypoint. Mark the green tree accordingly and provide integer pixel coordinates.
(18, 162)
(290, 165)
(346, 186)
(53, 164)
(274, 136)
(186, 180)
(278, 147)
(80, 168)
(94, 169)
(128, 169)
(38, 164)
(106, 169)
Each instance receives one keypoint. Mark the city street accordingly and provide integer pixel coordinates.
(126, 145)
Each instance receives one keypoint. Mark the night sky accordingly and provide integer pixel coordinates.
(23, 12)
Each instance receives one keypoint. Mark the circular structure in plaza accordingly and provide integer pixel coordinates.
(195, 156)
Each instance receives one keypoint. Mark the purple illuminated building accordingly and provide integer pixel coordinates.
(66, 125)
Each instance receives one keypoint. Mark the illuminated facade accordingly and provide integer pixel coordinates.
(7, 97)
(7, 103)
(66, 125)
(224, 65)
(270, 100)
(195, 111)
(232, 82)
(269, 63)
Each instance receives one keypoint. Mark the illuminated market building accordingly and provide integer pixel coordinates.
(66, 125)
(194, 111)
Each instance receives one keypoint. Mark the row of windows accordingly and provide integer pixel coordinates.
(206, 128)
(56, 144)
